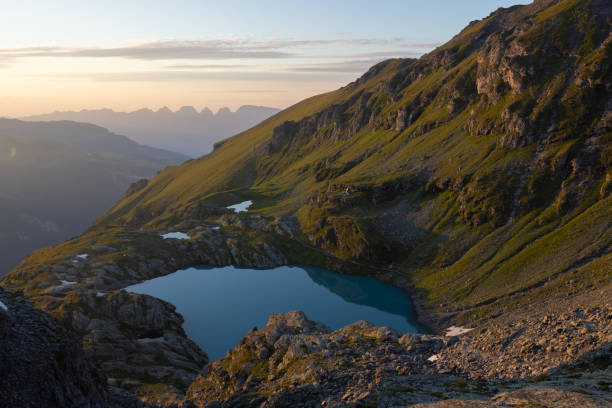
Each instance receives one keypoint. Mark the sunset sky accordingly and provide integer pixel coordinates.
(125, 55)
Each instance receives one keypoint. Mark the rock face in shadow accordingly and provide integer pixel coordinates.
(43, 365)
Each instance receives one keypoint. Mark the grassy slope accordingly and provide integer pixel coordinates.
(228, 167)
(471, 257)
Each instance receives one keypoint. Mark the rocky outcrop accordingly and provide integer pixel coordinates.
(293, 361)
(137, 186)
(137, 336)
(43, 364)
(281, 225)
(529, 397)
(137, 341)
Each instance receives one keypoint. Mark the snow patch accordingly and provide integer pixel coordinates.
(433, 358)
(100, 294)
(217, 228)
(456, 331)
(3, 307)
(65, 282)
(175, 235)
(240, 207)
(82, 256)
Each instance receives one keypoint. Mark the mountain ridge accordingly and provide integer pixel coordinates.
(185, 109)
(185, 130)
(511, 164)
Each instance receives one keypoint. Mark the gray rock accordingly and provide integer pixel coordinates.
(43, 365)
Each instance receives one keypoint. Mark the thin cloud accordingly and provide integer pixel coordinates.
(347, 66)
(181, 76)
(264, 91)
(381, 54)
(215, 49)
(351, 66)
(204, 66)
(425, 46)
(147, 52)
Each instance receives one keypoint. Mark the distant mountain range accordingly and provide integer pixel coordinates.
(186, 131)
(57, 177)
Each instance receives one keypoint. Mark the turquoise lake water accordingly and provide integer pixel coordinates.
(220, 305)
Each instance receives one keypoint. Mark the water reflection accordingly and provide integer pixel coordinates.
(221, 304)
(363, 291)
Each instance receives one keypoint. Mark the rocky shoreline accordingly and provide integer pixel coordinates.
(138, 342)
(293, 361)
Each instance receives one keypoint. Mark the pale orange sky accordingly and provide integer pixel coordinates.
(75, 54)
(25, 91)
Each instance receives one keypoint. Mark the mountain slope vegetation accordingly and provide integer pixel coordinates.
(479, 172)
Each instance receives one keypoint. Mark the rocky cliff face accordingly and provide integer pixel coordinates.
(43, 364)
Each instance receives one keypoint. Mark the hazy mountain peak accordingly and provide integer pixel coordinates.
(143, 110)
(224, 111)
(193, 134)
(187, 110)
(164, 110)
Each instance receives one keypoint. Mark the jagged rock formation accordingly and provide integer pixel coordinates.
(43, 364)
(293, 361)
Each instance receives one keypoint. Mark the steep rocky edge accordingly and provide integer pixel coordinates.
(43, 364)
(477, 177)
(295, 362)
